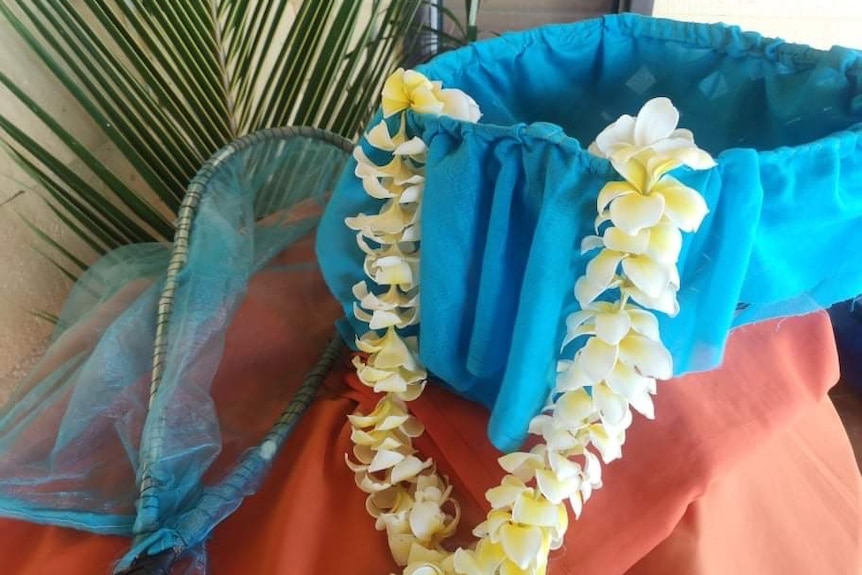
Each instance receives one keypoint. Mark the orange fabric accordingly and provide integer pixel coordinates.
(746, 470)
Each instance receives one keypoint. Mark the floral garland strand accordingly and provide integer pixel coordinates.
(638, 227)
(639, 235)
(406, 496)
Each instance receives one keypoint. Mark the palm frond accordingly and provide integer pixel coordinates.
(169, 83)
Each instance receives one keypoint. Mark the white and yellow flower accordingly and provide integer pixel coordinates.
(615, 366)
(408, 89)
(654, 129)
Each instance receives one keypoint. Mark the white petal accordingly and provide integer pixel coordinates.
(572, 378)
(521, 465)
(665, 242)
(616, 239)
(682, 134)
(412, 194)
(459, 105)
(607, 442)
(554, 488)
(361, 314)
(530, 510)
(644, 322)
(620, 132)
(591, 243)
(413, 79)
(634, 212)
(612, 406)
(578, 324)
(697, 159)
(592, 469)
(684, 206)
(503, 496)
(560, 440)
(602, 268)
(375, 188)
(412, 147)
(666, 302)
(575, 319)
(426, 518)
(586, 291)
(409, 467)
(633, 170)
(393, 383)
(521, 544)
(573, 408)
(562, 466)
(627, 382)
(655, 121)
(382, 319)
(410, 391)
(577, 504)
(646, 274)
(379, 137)
(673, 279)
(384, 459)
(393, 353)
(612, 327)
(649, 357)
(598, 358)
(364, 166)
(643, 404)
(611, 191)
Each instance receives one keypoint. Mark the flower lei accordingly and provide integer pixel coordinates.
(618, 357)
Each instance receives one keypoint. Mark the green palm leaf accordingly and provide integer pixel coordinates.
(170, 82)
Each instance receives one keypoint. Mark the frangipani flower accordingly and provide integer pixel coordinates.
(428, 522)
(610, 322)
(397, 171)
(393, 219)
(651, 277)
(403, 383)
(396, 144)
(523, 546)
(385, 181)
(484, 560)
(653, 130)
(458, 105)
(425, 568)
(639, 238)
(406, 494)
(408, 89)
(391, 266)
(421, 560)
(636, 205)
(390, 413)
(392, 309)
(388, 350)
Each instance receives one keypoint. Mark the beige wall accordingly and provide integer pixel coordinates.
(27, 281)
(818, 23)
(503, 15)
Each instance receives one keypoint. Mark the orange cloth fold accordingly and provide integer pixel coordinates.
(746, 470)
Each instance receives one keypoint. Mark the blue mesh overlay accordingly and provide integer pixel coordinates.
(73, 436)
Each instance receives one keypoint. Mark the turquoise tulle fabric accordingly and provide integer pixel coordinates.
(508, 200)
(73, 434)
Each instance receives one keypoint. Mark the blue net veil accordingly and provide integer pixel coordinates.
(82, 432)
(508, 200)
